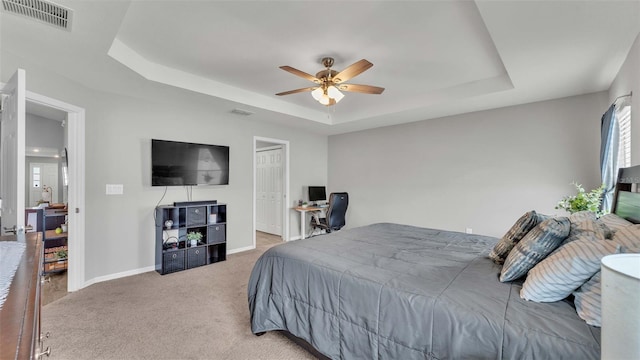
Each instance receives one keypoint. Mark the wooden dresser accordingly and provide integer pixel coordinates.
(20, 314)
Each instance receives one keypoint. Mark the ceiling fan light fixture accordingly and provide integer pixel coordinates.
(334, 93)
(329, 82)
(317, 93)
(324, 100)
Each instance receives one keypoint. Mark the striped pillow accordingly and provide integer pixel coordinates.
(584, 222)
(629, 238)
(535, 246)
(522, 226)
(614, 222)
(587, 301)
(568, 268)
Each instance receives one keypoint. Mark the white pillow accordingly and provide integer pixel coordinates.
(587, 301)
(614, 222)
(585, 222)
(565, 270)
(629, 238)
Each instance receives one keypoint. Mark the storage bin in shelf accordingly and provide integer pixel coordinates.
(54, 266)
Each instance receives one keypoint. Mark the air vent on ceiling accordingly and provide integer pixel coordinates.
(44, 11)
(241, 112)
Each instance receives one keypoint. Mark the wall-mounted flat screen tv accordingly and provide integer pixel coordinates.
(175, 163)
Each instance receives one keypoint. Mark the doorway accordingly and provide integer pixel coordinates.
(270, 188)
(74, 172)
(75, 161)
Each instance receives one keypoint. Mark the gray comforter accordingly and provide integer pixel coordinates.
(389, 291)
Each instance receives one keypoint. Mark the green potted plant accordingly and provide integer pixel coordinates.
(194, 237)
(61, 254)
(583, 201)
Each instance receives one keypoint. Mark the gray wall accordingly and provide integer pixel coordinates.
(43, 132)
(119, 128)
(480, 170)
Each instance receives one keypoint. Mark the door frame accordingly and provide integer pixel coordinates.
(76, 192)
(285, 190)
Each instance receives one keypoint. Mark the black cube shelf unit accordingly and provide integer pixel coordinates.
(174, 251)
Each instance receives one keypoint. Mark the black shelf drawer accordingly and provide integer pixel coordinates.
(216, 234)
(196, 215)
(196, 256)
(173, 261)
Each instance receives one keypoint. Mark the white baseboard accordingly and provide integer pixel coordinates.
(119, 275)
(246, 248)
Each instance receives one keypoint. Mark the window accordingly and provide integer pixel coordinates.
(35, 176)
(624, 122)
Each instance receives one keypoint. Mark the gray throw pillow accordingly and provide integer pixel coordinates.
(535, 246)
(522, 226)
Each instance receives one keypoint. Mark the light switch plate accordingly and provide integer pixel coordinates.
(115, 189)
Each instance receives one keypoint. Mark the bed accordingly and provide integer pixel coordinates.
(392, 291)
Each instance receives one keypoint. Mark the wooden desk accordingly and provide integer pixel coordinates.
(20, 314)
(303, 218)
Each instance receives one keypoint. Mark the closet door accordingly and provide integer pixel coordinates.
(269, 192)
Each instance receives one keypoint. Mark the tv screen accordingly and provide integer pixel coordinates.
(179, 163)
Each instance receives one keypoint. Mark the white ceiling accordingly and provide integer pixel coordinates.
(434, 58)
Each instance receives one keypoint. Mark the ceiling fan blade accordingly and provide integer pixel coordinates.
(351, 71)
(302, 74)
(366, 89)
(297, 91)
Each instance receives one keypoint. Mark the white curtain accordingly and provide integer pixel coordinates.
(610, 139)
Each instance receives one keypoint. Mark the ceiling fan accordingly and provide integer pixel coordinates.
(330, 82)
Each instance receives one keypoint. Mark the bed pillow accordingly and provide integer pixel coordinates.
(587, 301)
(522, 226)
(629, 238)
(585, 222)
(566, 269)
(613, 222)
(535, 246)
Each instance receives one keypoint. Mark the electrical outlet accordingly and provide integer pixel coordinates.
(469, 230)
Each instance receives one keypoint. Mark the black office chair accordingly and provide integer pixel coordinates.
(335, 219)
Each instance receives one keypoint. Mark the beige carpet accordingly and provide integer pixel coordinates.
(54, 288)
(200, 313)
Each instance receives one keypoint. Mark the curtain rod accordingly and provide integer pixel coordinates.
(623, 96)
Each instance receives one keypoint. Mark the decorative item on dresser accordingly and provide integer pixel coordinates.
(20, 313)
(190, 234)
